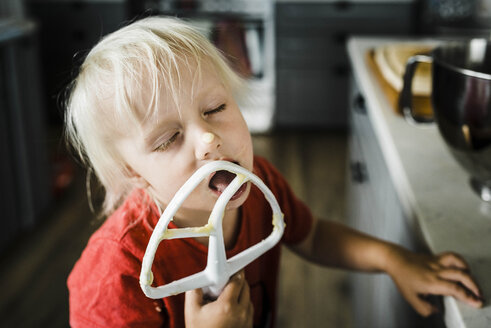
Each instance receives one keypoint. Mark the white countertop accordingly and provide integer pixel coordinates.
(432, 187)
(337, 1)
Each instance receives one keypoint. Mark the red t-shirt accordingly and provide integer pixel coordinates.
(104, 284)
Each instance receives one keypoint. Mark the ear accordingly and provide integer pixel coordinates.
(136, 179)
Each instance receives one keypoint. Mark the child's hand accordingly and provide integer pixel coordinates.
(233, 308)
(419, 275)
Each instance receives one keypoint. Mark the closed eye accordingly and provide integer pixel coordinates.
(166, 144)
(219, 109)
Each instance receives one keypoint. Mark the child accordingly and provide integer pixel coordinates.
(152, 103)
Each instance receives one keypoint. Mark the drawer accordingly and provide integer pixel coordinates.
(374, 207)
(353, 17)
(311, 50)
(311, 97)
(362, 212)
(395, 223)
(375, 165)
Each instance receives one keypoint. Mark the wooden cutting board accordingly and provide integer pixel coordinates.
(388, 63)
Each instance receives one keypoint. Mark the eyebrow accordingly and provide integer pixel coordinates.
(151, 135)
(148, 138)
(221, 90)
(155, 125)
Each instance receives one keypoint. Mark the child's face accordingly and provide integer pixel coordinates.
(171, 146)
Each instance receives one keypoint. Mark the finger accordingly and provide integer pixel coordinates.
(250, 315)
(454, 260)
(245, 294)
(422, 306)
(193, 300)
(462, 277)
(232, 290)
(445, 287)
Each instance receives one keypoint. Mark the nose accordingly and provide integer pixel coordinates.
(208, 137)
(207, 145)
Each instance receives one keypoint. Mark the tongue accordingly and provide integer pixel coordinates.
(221, 180)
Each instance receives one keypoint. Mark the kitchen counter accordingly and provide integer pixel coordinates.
(433, 189)
(337, 1)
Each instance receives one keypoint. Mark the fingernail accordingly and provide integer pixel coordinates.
(478, 300)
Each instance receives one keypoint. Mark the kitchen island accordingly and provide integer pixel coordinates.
(439, 209)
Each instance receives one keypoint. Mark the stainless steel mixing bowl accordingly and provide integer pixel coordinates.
(461, 99)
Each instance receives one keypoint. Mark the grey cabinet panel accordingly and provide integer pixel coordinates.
(305, 100)
(310, 52)
(25, 172)
(336, 11)
(76, 26)
(312, 36)
(10, 212)
(356, 17)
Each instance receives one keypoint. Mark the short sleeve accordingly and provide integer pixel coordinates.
(104, 290)
(297, 215)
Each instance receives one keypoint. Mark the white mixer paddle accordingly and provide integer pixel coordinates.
(218, 269)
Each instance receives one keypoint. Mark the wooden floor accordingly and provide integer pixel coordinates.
(34, 269)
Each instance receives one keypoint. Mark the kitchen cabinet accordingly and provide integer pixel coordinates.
(374, 208)
(406, 187)
(68, 29)
(24, 166)
(311, 62)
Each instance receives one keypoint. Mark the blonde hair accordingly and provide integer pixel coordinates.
(108, 89)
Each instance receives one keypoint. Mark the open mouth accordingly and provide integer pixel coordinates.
(221, 179)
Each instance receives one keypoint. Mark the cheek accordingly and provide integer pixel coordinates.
(167, 186)
(163, 176)
(239, 133)
(244, 143)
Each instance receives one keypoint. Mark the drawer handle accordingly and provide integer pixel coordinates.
(358, 172)
(340, 38)
(341, 70)
(342, 5)
(359, 104)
